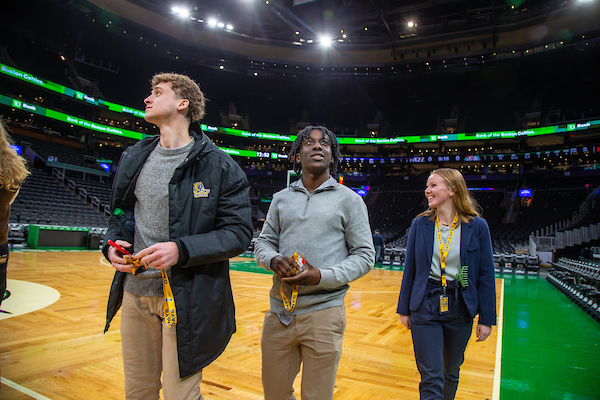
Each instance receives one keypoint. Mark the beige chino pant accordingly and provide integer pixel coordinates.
(149, 348)
(313, 339)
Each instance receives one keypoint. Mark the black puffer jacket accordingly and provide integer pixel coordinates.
(210, 220)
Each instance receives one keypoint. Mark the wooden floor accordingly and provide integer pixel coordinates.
(60, 352)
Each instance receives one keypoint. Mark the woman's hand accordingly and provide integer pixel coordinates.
(483, 331)
(405, 319)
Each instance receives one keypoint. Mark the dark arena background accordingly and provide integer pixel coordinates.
(506, 91)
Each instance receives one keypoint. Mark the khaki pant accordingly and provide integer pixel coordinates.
(313, 339)
(149, 348)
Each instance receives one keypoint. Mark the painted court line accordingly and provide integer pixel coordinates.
(105, 261)
(498, 364)
(24, 390)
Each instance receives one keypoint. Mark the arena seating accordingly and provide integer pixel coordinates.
(490, 205)
(262, 190)
(46, 148)
(17, 236)
(559, 204)
(43, 201)
(91, 188)
(579, 281)
(393, 213)
(392, 203)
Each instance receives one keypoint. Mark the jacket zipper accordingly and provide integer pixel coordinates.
(306, 206)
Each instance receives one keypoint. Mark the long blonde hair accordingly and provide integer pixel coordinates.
(12, 166)
(464, 202)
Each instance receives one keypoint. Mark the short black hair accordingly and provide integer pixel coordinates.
(305, 134)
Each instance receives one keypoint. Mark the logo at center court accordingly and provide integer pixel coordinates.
(200, 190)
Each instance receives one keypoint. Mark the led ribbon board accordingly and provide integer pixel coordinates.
(55, 87)
(486, 158)
(454, 137)
(241, 133)
(29, 78)
(252, 153)
(450, 137)
(59, 116)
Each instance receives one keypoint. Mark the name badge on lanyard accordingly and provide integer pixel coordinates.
(444, 304)
(444, 248)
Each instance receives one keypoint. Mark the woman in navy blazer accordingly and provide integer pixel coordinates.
(441, 327)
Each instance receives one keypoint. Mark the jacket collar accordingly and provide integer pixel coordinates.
(466, 229)
(329, 184)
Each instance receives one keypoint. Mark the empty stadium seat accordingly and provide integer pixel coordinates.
(508, 261)
(387, 256)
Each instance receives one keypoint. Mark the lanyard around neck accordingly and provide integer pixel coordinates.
(444, 248)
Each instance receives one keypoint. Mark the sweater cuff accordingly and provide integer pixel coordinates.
(184, 256)
(327, 279)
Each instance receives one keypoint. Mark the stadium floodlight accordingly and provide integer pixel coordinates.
(221, 25)
(180, 12)
(326, 40)
(212, 22)
(229, 27)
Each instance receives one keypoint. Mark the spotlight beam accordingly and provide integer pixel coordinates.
(283, 13)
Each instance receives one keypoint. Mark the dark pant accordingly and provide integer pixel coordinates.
(3, 265)
(440, 341)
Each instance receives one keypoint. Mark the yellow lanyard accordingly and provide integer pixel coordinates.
(286, 302)
(444, 248)
(170, 311)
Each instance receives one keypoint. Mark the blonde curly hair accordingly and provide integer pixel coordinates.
(185, 88)
(12, 166)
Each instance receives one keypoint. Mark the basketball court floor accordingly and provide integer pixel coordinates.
(52, 345)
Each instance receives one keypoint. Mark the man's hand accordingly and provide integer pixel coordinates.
(311, 276)
(116, 258)
(283, 266)
(160, 255)
(405, 320)
(483, 331)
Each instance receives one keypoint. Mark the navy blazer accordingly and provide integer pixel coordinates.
(475, 251)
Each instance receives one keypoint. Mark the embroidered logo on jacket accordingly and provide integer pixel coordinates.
(200, 190)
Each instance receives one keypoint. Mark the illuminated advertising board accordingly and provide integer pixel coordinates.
(60, 116)
(55, 87)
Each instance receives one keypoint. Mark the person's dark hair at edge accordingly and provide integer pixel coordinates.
(304, 134)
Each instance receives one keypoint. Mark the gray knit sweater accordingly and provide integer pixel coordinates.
(151, 213)
(331, 227)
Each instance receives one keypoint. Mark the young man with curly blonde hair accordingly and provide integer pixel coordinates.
(191, 211)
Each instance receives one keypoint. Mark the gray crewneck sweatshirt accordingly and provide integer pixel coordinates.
(331, 227)
(151, 213)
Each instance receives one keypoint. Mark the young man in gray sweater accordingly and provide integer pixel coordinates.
(327, 225)
(192, 213)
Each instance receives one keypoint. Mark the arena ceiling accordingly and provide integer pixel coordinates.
(367, 23)
(373, 32)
